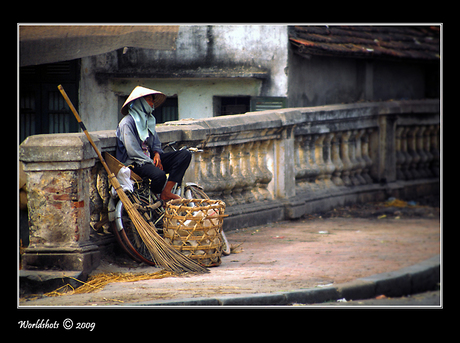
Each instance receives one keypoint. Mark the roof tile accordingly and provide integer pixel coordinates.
(401, 42)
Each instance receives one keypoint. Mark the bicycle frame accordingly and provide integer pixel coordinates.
(180, 191)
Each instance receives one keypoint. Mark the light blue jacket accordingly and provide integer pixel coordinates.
(129, 145)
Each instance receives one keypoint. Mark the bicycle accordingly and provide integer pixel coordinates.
(153, 209)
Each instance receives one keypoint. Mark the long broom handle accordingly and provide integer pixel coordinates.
(83, 127)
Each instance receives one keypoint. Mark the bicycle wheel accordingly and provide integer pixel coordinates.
(128, 233)
(194, 192)
(121, 243)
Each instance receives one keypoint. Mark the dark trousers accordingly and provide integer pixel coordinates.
(175, 163)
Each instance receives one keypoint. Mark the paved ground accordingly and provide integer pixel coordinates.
(424, 299)
(314, 252)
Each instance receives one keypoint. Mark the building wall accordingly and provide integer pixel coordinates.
(325, 80)
(222, 60)
(98, 104)
(321, 80)
(399, 81)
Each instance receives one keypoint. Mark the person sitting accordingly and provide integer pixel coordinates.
(139, 147)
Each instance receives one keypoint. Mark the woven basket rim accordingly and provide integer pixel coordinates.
(210, 204)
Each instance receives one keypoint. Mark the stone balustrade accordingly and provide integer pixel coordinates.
(417, 151)
(266, 166)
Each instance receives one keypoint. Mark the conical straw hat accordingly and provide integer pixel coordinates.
(139, 92)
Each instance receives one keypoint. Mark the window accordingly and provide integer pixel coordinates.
(225, 105)
(42, 109)
(262, 103)
(169, 111)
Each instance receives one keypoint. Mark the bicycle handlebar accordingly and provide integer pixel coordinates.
(191, 149)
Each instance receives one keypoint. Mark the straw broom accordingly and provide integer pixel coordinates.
(163, 254)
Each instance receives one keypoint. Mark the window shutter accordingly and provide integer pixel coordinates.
(263, 103)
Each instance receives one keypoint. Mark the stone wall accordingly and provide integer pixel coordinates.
(266, 166)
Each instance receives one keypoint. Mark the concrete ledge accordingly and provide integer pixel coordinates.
(41, 259)
(31, 281)
(261, 213)
(254, 214)
(328, 199)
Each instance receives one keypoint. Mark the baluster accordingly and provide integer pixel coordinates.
(352, 156)
(365, 155)
(347, 166)
(216, 161)
(435, 150)
(255, 167)
(267, 175)
(299, 155)
(314, 170)
(248, 174)
(308, 172)
(210, 182)
(427, 149)
(199, 170)
(336, 175)
(235, 167)
(320, 161)
(327, 159)
(359, 159)
(407, 157)
(227, 176)
(423, 156)
(399, 154)
(412, 150)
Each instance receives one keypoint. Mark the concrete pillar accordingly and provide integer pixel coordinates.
(386, 154)
(58, 169)
(282, 165)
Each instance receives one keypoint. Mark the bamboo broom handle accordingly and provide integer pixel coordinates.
(83, 127)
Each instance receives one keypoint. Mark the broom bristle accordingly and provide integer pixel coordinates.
(162, 253)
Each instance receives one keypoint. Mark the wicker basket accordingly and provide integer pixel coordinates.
(194, 227)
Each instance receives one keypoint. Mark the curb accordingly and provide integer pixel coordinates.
(420, 277)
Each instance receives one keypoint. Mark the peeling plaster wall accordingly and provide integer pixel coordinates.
(221, 60)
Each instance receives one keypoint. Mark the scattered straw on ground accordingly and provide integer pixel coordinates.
(96, 282)
(396, 203)
(236, 248)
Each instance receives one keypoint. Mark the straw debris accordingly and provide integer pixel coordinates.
(236, 248)
(98, 281)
